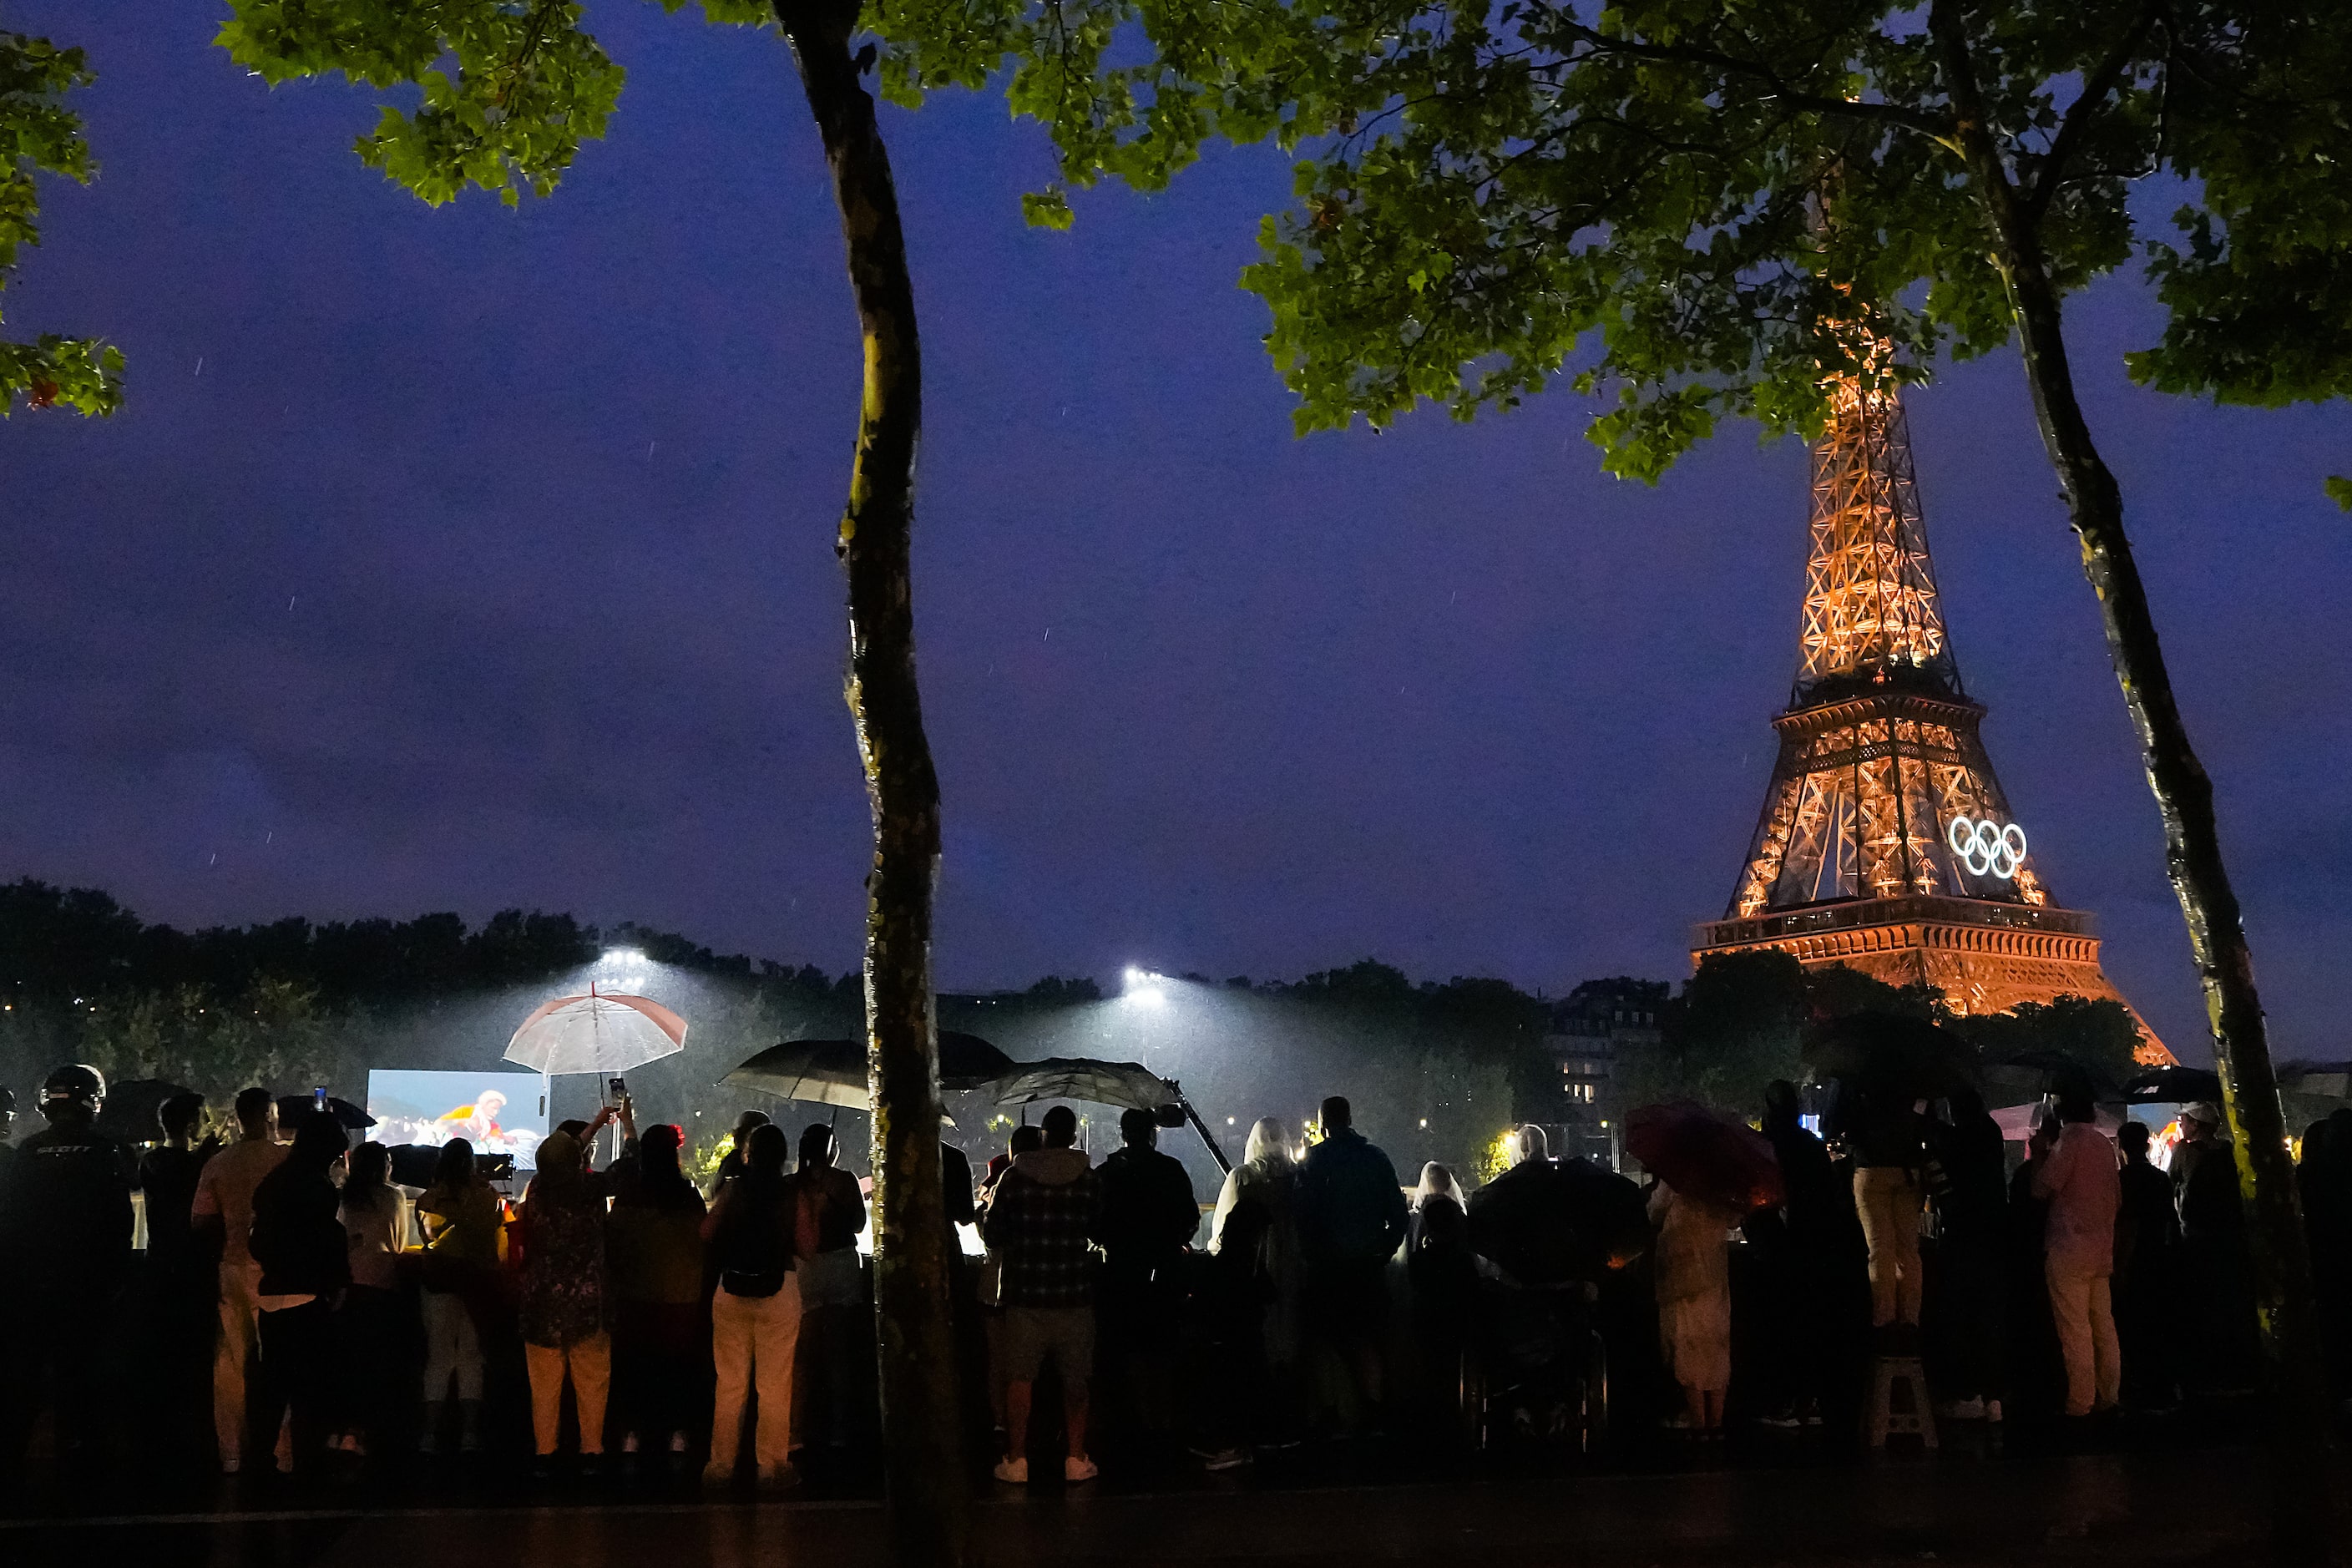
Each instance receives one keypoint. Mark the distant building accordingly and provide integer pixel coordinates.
(1589, 1028)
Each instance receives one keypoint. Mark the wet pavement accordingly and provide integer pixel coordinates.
(1762, 1503)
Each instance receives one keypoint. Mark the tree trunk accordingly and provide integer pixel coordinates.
(2184, 798)
(923, 1462)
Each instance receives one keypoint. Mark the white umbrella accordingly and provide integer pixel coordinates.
(598, 1033)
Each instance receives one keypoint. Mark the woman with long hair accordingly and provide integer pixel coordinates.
(462, 1219)
(1444, 1275)
(368, 1326)
(1256, 1216)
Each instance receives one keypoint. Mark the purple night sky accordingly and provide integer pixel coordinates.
(475, 558)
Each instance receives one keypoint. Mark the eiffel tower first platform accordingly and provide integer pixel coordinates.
(1887, 843)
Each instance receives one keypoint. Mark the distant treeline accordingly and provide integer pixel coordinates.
(1436, 1068)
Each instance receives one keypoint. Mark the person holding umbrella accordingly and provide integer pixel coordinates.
(1712, 1172)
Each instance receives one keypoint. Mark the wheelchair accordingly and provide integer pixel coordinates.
(1535, 1369)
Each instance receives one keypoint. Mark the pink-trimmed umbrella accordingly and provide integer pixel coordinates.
(596, 1033)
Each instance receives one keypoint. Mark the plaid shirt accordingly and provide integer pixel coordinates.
(1039, 1231)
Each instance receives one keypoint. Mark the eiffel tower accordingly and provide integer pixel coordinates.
(1887, 843)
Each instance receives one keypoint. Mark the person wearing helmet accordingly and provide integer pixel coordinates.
(65, 1226)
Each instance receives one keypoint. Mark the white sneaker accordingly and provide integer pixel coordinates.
(1014, 1470)
(1078, 1467)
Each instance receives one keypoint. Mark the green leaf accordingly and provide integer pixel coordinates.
(1049, 208)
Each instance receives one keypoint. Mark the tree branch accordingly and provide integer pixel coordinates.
(1895, 114)
(2096, 89)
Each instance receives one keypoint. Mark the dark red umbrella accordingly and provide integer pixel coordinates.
(1706, 1155)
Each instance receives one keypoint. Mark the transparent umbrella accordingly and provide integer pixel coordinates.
(596, 1033)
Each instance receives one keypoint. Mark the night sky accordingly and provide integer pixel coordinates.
(475, 558)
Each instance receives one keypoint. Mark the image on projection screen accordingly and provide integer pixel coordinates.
(498, 1113)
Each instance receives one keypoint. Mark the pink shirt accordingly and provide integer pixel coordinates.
(2085, 1187)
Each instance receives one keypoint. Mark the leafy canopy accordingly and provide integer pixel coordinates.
(1692, 205)
(39, 135)
(1698, 209)
(1692, 202)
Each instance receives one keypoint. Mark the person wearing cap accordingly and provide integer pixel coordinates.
(65, 1230)
(2219, 1297)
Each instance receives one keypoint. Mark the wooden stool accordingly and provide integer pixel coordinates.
(1914, 1417)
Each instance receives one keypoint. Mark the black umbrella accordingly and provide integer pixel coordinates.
(2032, 1075)
(292, 1108)
(2321, 1080)
(1130, 1085)
(1907, 1056)
(2173, 1085)
(131, 1107)
(833, 1072)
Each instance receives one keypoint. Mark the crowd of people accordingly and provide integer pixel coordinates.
(294, 1310)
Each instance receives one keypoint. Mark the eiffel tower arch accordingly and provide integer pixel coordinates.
(1886, 842)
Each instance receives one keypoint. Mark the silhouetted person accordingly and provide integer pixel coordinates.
(373, 1326)
(1884, 1135)
(462, 1219)
(828, 1211)
(304, 1263)
(955, 1187)
(732, 1161)
(178, 1313)
(655, 1252)
(66, 1233)
(2146, 1276)
(2217, 1270)
(1692, 1278)
(2325, 1178)
(1968, 1301)
(1443, 1271)
(1812, 1270)
(1351, 1220)
(1149, 1217)
(2037, 1370)
(755, 1318)
(1046, 1207)
(1023, 1140)
(1255, 1233)
(566, 1333)
(223, 1211)
(2084, 1184)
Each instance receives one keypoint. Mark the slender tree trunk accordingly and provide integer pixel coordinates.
(2184, 798)
(922, 1452)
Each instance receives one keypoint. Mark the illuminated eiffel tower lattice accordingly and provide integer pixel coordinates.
(1887, 843)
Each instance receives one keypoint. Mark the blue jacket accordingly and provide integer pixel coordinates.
(1351, 1209)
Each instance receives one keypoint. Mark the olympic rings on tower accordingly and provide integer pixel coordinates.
(1985, 849)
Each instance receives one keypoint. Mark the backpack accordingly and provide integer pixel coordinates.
(755, 1245)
